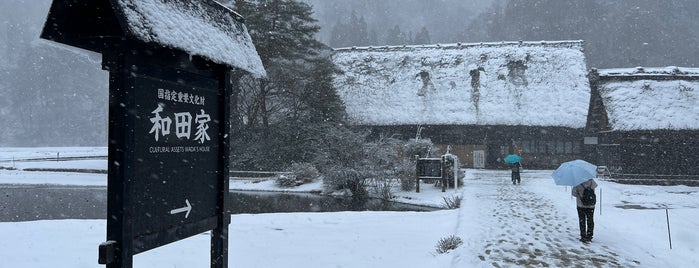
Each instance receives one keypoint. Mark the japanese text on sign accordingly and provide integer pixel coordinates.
(184, 124)
(177, 96)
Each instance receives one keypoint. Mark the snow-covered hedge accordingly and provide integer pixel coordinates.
(299, 173)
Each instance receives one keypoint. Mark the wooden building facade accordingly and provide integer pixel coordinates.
(485, 146)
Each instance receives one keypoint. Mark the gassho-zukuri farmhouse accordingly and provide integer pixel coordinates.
(487, 100)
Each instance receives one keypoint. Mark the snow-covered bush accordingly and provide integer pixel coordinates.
(405, 173)
(305, 172)
(339, 147)
(448, 243)
(422, 147)
(298, 173)
(381, 155)
(383, 188)
(339, 178)
(275, 148)
(451, 202)
(287, 180)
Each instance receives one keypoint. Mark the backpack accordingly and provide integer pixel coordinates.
(589, 198)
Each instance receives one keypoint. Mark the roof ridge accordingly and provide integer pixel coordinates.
(577, 44)
(649, 71)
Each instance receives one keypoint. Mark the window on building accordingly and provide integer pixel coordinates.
(562, 145)
(551, 147)
(526, 146)
(576, 147)
(542, 147)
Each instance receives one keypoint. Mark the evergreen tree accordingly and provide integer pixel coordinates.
(283, 118)
(283, 33)
(422, 37)
(396, 37)
(320, 98)
(359, 31)
(352, 33)
(281, 29)
(373, 37)
(340, 34)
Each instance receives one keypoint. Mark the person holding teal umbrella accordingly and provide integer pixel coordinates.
(516, 178)
(513, 159)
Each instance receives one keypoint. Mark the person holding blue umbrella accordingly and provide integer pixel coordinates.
(586, 209)
(580, 174)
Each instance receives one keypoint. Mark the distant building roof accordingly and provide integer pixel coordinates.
(505, 83)
(644, 98)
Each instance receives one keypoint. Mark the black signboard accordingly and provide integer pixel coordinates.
(168, 115)
(429, 168)
(177, 154)
(167, 154)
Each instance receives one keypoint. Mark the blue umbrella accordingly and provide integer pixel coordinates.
(513, 158)
(574, 172)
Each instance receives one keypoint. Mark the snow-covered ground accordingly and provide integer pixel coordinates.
(8, 155)
(501, 225)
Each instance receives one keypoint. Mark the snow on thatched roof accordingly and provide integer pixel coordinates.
(670, 71)
(644, 98)
(203, 28)
(506, 83)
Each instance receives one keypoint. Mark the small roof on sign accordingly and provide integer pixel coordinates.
(198, 27)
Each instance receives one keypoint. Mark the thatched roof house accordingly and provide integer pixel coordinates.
(490, 97)
(645, 121)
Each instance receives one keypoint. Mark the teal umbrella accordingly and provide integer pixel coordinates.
(513, 158)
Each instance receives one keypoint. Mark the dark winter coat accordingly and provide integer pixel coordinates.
(516, 167)
(577, 191)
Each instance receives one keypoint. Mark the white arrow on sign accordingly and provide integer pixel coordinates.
(187, 209)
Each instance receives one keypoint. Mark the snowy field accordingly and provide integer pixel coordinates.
(501, 225)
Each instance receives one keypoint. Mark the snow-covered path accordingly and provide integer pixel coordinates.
(514, 226)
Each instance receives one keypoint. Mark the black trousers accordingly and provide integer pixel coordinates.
(587, 222)
(516, 177)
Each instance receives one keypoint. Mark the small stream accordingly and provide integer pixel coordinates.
(267, 202)
(29, 203)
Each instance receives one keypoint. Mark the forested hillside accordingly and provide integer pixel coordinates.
(619, 33)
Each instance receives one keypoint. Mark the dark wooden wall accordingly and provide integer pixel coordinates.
(543, 147)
